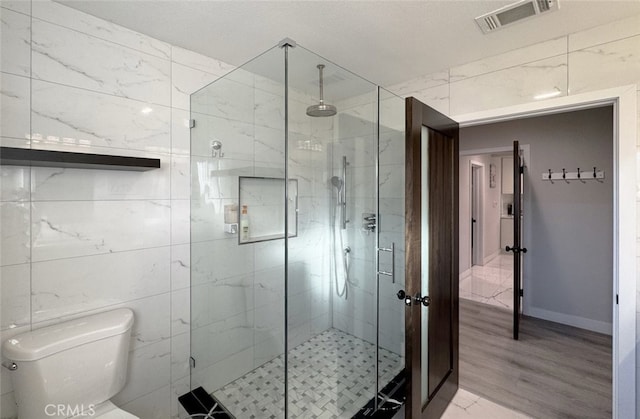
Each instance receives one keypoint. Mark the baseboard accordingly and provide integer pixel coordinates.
(464, 275)
(575, 321)
(492, 256)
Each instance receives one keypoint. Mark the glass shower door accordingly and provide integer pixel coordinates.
(332, 290)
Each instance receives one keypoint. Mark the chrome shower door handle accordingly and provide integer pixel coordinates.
(391, 250)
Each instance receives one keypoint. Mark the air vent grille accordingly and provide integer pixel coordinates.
(516, 12)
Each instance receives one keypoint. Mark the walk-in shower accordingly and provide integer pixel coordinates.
(281, 234)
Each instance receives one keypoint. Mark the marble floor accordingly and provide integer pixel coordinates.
(332, 375)
(466, 405)
(491, 283)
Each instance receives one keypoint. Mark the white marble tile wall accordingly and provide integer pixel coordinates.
(598, 58)
(75, 242)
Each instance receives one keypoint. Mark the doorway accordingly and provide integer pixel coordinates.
(563, 284)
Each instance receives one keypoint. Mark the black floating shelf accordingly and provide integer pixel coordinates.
(11, 156)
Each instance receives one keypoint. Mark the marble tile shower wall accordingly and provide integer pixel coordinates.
(602, 57)
(356, 314)
(238, 291)
(76, 241)
(356, 140)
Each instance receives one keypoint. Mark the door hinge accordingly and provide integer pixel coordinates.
(616, 298)
(192, 123)
(521, 292)
(192, 362)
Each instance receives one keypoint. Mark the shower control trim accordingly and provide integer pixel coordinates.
(369, 222)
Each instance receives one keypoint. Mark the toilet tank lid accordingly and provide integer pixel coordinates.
(49, 340)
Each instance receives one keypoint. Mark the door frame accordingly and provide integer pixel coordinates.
(479, 250)
(526, 155)
(624, 101)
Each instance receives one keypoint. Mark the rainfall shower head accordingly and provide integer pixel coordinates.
(336, 182)
(321, 109)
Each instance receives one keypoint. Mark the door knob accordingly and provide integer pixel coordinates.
(516, 249)
(425, 301)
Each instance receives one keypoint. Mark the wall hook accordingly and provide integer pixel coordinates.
(594, 173)
(564, 174)
(550, 178)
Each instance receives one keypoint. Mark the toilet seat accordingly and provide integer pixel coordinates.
(108, 410)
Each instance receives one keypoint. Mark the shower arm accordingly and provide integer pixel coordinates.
(321, 83)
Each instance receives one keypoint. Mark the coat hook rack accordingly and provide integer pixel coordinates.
(597, 175)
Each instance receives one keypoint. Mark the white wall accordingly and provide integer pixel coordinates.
(80, 241)
(598, 58)
(490, 205)
(566, 226)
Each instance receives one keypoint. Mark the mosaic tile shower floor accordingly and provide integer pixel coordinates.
(332, 375)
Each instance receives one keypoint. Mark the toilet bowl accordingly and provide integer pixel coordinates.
(72, 369)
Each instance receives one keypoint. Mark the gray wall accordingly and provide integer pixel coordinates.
(490, 205)
(567, 226)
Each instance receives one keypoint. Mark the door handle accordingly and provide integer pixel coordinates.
(408, 300)
(391, 250)
(425, 301)
(516, 249)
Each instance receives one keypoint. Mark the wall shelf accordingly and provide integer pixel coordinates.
(11, 156)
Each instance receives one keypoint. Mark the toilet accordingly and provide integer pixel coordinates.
(72, 369)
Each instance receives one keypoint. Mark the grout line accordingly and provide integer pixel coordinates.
(114, 252)
(164, 58)
(31, 296)
(568, 92)
(146, 102)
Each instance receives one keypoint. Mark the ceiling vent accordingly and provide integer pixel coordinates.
(513, 13)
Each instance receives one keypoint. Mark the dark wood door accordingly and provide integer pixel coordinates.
(431, 301)
(517, 249)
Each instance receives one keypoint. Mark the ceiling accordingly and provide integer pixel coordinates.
(383, 41)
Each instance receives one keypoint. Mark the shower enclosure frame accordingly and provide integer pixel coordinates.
(379, 274)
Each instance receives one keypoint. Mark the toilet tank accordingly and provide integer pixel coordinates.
(75, 364)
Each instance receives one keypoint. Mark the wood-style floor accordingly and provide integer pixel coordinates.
(552, 371)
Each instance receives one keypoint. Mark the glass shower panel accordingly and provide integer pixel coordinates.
(391, 235)
(237, 290)
(331, 293)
